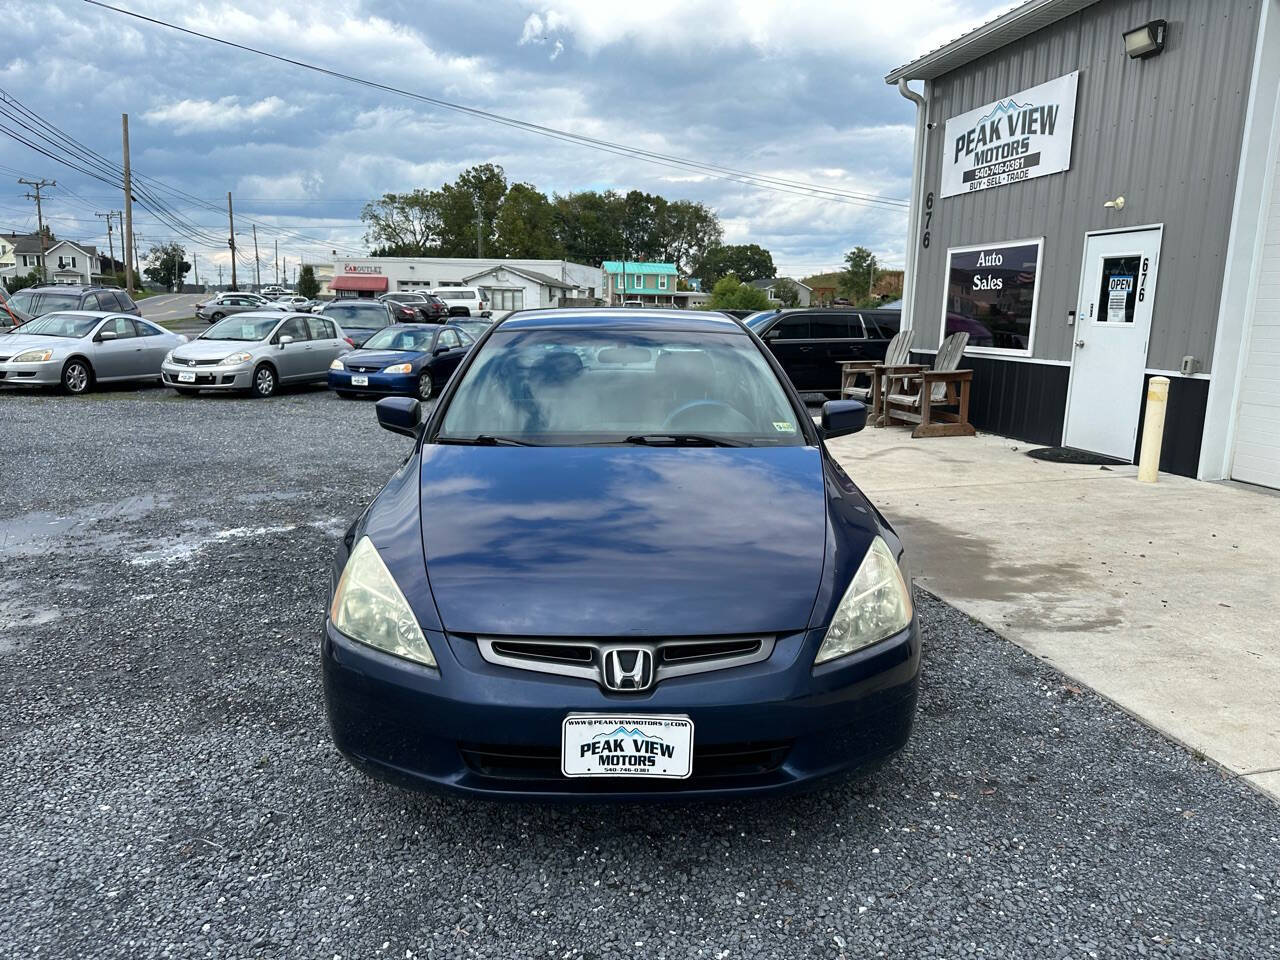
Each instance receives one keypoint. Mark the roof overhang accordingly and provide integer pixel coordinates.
(367, 283)
(1017, 23)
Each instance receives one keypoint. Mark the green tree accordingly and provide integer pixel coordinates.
(526, 225)
(16, 282)
(308, 285)
(588, 226)
(746, 261)
(686, 231)
(167, 265)
(731, 294)
(858, 276)
(786, 292)
(408, 223)
(473, 199)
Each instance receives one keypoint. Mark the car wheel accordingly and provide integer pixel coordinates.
(216, 317)
(264, 381)
(77, 376)
(425, 386)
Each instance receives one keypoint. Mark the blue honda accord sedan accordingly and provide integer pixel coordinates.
(408, 359)
(620, 562)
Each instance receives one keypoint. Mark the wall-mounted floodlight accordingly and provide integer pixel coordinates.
(1146, 40)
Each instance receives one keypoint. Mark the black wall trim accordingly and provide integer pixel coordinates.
(1183, 424)
(1026, 401)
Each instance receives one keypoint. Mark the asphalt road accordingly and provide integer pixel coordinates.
(168, 787)
(167, 307)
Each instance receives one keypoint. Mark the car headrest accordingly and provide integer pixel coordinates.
(557, 366)
(624, 355)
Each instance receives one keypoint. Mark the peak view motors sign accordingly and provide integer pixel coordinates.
(1020, 137)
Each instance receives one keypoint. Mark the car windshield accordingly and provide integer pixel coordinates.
(557, 387)
(31, 302)
(398, 338)
(757, 319)
(242, 327)
(60, 325)
(343, 312)
(407, 297)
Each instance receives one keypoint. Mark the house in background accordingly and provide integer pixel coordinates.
(68, 262)
(649, 284)
(769, 286)
(518, 288)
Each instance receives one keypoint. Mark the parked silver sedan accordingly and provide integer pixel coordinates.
(78, 348)
(256, 352)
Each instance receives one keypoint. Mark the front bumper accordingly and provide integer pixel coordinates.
(380, 384)
(237, 377)
(480, 729)
(45, 374)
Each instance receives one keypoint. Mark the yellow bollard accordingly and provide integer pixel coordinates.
(1153, 430)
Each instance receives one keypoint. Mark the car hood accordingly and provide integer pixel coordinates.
(383, 358)
(213, 349)
(15, 343)
(623, 541)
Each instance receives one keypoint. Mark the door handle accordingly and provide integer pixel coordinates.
(1079, 343)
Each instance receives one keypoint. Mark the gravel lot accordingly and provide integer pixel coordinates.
(168, 789)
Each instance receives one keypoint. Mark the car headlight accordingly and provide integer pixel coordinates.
(234, 359)
(168, 357)
(399, 368)
(369, 607)
(33, 356)
(336, 365)
(876, 605)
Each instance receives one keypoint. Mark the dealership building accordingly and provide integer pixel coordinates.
(1095, 202)
(512, 284)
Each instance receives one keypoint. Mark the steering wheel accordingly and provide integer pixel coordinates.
(696, 407)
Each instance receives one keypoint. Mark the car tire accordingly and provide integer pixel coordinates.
(426, 386)
(345, 394)
(265, 381)
(216, 317)
(77, 376)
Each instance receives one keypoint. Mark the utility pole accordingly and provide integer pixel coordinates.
(38, 185)
(128, 209)
(479, 241)
(871, 279)
(111, 244)
(219, 275)
(231, 226)
(277, 262)
(257, 270)
(195, 268)
(136, 261)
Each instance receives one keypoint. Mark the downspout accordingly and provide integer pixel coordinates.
(917, 204)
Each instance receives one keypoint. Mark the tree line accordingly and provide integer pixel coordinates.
(481, 214)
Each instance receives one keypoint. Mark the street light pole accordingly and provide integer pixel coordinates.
(257, 270)
(231, 241)
(128, 209)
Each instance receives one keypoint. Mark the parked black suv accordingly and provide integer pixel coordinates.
(812, 343)
(36, 301)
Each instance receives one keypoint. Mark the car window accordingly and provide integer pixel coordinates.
(565, 387)
(456, 294)
(790, 328)
(60, 325)
(448, 338)
(466, 338)
(121, 301)
(145, 329)
(318, 329)
(296, 328)
(49, 302)
(123, 327)
(831, 326)
(245, 327)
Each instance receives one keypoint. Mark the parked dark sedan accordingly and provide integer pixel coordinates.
(811, 343)
(32, 302)
(359, 319)
(619, 562)
(413, 360)
(426, 306)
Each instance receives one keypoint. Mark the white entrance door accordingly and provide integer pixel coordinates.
(1256, 456)
(1113, 322)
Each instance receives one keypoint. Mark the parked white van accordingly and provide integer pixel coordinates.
(463, 301)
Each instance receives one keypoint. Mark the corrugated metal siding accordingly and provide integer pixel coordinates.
(1164, 132)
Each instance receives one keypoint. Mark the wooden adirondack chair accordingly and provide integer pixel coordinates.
(914, 393)
(896, 354)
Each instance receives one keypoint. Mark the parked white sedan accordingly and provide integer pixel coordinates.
(78, 348)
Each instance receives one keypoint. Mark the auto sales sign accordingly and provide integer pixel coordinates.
(1018, 138)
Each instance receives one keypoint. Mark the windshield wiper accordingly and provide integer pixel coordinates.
(485, 440)
(680, 440)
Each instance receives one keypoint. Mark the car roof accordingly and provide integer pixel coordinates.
(69, 288)
(624, 318)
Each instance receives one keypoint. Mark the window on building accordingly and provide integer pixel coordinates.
(639, 281)
(507, 299)
(662, 282)
(73, 263)
(991, 295)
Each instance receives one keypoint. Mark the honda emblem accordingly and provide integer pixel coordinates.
(628, 668)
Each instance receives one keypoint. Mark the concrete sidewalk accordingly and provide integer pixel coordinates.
(1163, 597)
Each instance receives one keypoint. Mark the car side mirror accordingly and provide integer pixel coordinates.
(283, 340)
(843, 417)
(439, 350)
(104, 335)
(399, 415)
(773, 334)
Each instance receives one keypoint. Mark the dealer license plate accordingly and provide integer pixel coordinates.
(616, 745)
(358, 381)
(186, 377)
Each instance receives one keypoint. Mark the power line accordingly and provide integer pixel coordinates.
(716, 171)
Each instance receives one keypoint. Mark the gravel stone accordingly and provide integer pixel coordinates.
(168, 787)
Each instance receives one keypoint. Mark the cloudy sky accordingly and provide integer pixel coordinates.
(792, 90)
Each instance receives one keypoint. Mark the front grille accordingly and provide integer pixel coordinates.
(717, 761)
(362, 368)
(584, 658)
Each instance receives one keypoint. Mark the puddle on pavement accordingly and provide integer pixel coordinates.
(17, 617)
(188, 546)
(35, 532)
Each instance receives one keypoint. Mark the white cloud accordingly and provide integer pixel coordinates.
(225, 113)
